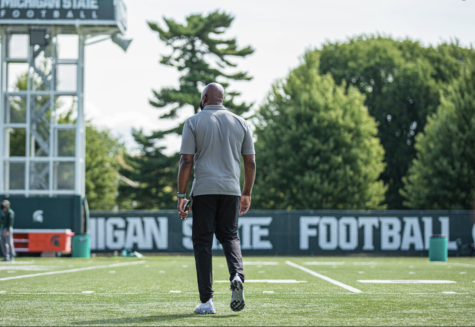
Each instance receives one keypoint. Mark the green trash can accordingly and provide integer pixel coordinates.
(438, 248)
(81, 246)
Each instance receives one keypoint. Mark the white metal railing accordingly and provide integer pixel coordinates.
(42, 164)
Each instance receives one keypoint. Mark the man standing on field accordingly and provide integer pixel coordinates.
(7, 216)
(216, 139)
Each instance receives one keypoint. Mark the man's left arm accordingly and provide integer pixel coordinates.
(11, 218)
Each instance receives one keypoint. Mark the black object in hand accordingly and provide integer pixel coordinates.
(187, 205)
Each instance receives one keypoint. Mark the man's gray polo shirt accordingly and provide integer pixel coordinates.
(217, 138)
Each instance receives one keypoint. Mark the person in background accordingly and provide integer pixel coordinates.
(7, 217)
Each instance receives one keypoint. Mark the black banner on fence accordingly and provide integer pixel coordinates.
(48, 213)
(289, 232)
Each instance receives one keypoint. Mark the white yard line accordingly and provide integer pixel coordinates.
(15, 262)
(156, 294)
(271, 281)
(365, 263)
(419, 293)
(323, 263)
(25, 268)
(455, 264)
(261, 263)
(74, 293)
(328, 279)
(406, 281)
(74, 270)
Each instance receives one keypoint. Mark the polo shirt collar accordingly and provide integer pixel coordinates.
(214, 107)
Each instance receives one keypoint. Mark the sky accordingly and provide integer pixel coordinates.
(118, 85)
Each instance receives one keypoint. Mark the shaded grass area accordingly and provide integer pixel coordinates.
(140, 294)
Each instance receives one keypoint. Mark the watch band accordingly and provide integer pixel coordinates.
(181, 195)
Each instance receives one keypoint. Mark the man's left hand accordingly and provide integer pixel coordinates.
(7, 234)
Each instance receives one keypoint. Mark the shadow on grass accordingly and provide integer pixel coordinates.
(149, 319)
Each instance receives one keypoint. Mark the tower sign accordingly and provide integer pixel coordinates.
(42, 127)
(63, 12)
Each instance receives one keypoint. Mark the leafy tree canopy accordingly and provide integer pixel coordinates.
(401, 80)
(316, 145)
(443, 174)
(102, 167)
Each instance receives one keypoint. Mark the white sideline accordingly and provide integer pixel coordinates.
(328, 279)
(73, 270)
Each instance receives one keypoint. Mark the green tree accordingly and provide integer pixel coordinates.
(316, 145)
(401, 81)
(443, 174)
(102, 166)
(154, 174)
(202, 58)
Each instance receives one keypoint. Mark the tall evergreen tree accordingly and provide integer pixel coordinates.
(443, 175)
(316, 146)
(401, 81)
(201, 57)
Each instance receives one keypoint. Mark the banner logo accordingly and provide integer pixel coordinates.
(38, 216)
(54, 240)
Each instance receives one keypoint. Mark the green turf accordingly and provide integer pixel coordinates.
(140, 294)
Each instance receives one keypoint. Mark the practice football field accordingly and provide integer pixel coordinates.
(279, 291)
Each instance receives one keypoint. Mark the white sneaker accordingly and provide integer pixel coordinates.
(237, 299)
(205, 308)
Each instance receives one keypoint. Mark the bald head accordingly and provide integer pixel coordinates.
(213, 94)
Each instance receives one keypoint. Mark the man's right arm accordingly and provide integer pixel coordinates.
(187, 151)
(184, 173)
(249, 176)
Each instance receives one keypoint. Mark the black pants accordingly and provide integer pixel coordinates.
(215, 214)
